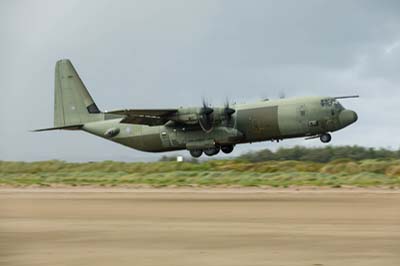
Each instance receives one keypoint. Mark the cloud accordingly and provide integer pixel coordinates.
(170, 53)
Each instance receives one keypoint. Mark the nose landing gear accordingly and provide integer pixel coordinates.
(325, 138)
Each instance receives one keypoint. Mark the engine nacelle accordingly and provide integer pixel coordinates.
(206, 117)
(188, 116)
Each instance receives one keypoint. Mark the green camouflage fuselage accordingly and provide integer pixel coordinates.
(261, 121)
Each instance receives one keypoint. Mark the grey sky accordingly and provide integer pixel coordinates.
(148, 54)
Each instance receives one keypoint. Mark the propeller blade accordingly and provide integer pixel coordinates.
(206, 119)
(229, 111)
(207, 110)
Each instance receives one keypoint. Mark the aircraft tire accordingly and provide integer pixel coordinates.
(227, 149)
(325, 138)
(196, 153)
(211, 151)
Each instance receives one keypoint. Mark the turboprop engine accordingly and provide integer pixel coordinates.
(206, 117)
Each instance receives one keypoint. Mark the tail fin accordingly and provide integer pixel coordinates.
(73, 104)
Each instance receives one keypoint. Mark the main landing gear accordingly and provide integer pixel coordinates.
(212, 151)
(196, 153)
(325, 138)
(227, 149)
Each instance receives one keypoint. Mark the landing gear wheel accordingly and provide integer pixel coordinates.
(196, 153)
(227, 149)
(325, 138)
(211, 151)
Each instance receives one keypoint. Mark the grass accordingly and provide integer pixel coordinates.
(337, 173)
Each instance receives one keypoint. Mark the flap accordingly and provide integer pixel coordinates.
(151, 117)
(144, 112)
(142, 120)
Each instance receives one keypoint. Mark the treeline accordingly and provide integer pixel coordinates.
(321, 155)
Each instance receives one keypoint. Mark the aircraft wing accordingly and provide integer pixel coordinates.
(150, 117)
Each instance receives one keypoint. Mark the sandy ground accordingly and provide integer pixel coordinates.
(198, 227)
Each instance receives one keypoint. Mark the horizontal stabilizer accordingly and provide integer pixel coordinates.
(71, 127)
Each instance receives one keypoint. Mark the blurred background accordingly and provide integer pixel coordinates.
(165, 54)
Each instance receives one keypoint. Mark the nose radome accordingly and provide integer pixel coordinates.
(347, 117)
(355, 116)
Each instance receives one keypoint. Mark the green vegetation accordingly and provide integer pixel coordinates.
(321, 155)
(382, 170)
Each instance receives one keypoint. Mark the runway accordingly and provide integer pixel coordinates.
(184, 227)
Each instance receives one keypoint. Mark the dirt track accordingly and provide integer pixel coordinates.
(187, 228)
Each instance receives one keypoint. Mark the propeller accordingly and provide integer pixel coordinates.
(228, 111)
(206, 119)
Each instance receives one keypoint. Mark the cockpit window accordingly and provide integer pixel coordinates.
(326, 102)
(329, 102)
(337, 105)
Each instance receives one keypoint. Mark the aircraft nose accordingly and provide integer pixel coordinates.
(347, 117)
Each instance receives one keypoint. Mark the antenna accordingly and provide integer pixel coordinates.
(346, 97)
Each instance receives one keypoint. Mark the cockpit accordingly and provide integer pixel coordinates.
(331, 103)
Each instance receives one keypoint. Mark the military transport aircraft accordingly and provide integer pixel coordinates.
(197, 129)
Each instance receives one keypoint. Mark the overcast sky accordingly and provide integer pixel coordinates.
(151, 54)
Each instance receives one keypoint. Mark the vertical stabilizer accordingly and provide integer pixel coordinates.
(73, 104)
